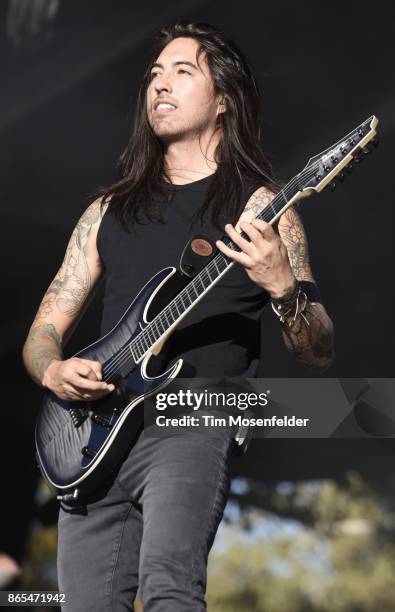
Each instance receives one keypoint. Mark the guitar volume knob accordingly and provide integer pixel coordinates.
(88, 452)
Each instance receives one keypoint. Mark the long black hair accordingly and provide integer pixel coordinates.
(239, 155)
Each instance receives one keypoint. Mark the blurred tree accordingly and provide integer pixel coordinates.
(341, 559)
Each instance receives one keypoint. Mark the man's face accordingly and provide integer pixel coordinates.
(181, 103)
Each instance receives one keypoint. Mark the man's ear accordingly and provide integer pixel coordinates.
(222, 105)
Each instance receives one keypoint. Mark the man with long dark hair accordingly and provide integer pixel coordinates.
(194, 162)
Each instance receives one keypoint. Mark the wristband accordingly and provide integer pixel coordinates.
(293, 307)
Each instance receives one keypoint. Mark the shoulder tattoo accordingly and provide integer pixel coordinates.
(72, 284)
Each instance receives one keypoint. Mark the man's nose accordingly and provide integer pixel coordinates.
(162, 83)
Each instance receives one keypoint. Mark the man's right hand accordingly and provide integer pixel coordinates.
(76, 380)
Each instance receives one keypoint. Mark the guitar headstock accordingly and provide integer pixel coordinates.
(322, 169)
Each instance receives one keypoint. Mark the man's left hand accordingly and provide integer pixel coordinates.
(265, 258)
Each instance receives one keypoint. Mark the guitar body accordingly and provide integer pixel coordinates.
(70, 454)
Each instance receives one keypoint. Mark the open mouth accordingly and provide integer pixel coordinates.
(164, 107)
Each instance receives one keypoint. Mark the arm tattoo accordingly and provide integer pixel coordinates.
(41, 348)
(259, 200)
(311, 344)
(72, 284)
(293, 236)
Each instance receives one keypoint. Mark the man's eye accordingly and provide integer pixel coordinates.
(153, 75)
(182, 71)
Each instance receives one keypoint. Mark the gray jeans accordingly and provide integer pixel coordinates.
(153, 528)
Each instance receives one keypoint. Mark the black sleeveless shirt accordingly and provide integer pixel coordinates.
(221, 335)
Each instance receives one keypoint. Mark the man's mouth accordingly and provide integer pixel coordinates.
(164, 107)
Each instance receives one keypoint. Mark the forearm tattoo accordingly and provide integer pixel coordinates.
(312, 343)
(293, 236)
(41, 348)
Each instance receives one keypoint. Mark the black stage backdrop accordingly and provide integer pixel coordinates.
(67, 92)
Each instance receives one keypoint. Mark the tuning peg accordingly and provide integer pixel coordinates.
(341, 177)
(366, 149)
(350, 168)
(333, 186)
(375, 142)
(357, 160)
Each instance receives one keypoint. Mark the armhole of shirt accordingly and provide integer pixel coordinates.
(99, 236)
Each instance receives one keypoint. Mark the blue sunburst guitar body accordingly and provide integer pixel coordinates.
(74, 438)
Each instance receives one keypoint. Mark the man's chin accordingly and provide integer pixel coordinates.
(166, 134)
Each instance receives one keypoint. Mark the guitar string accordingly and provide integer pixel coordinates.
(126, 356)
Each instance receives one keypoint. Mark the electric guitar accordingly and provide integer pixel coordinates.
(78, 443)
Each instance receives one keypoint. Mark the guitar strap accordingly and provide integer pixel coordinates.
(200, 247)
(199, 250)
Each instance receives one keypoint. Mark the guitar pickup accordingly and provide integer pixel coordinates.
(99, 420)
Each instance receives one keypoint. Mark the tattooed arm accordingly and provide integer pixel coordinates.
(60, 310)
(311, 344)
(275, 260)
